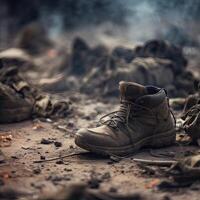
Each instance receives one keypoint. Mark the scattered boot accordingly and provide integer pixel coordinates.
(144, 119)
(13, 106)
(20, 101)
(191, 115)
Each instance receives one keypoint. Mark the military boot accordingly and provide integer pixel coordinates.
(13, 107)
(144, 119)
(191, 115)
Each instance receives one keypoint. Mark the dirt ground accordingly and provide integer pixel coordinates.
(31, 179)
(58, 51)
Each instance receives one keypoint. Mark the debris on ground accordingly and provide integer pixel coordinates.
(87, 74)
(2, 157)
(191, 117)
(46, 141)
(82, 192)
(162, 49)
(9, 194)
(99, 71)
(33, 38)
(183, 173)
(5, 140)
(20, 101)
(16, 57)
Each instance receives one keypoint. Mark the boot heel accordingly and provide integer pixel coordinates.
(164, 141)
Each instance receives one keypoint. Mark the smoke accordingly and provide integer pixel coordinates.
(176, 21)
(131, 21)
(109, 20)
(143, 22)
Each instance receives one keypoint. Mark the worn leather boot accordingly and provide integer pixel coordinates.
(144, 119)
(13, 107)
(191, 115)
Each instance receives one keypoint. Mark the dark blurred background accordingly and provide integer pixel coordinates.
(174, 20)
(94, 44)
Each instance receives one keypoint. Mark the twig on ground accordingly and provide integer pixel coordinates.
(166, 163)
(60, 157)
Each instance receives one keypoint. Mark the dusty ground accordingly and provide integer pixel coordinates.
(34, 179)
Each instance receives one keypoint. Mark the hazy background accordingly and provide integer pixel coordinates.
(104, 21)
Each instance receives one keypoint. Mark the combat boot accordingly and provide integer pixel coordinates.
(191, 115)
(13, 107)
(144, 119)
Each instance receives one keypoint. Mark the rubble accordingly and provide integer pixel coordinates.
(33, 39)
(21, 101)
(58, 144)
(164, 50)
(186, 171)
(125, 54)
(82, 192)
(16, 57)
(98, 70)
(9, 194)
(146, 71)
(191, 116)
(5, 141)
(2, 157)
(95, 71)
(84, 58)
(14, 107)
(46, 141)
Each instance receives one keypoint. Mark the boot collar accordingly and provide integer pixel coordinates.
(152, 100)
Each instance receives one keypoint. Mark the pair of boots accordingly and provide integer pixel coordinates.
(144, 119)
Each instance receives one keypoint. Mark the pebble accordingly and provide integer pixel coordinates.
(42, 157)
(37, 171)
(59, 162)
(58, 144)
(46, 141)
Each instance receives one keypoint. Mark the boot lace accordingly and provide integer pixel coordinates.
(121, 115)
(191, 113)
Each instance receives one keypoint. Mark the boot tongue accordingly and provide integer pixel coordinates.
(131, 91)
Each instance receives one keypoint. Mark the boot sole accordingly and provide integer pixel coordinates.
(156, 141)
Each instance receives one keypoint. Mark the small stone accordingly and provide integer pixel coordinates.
(67, 163)
(110, 162)
(2, 182)
(94, 183)
(49, 120)
(58, 144)
(68, 170)
(59, 162)
(37, 171)
(46, 141)
(106, 176)
(42, 157)
(166, 197)
(113, 190)
(14, 157)
(70, 124)
(32, 184)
